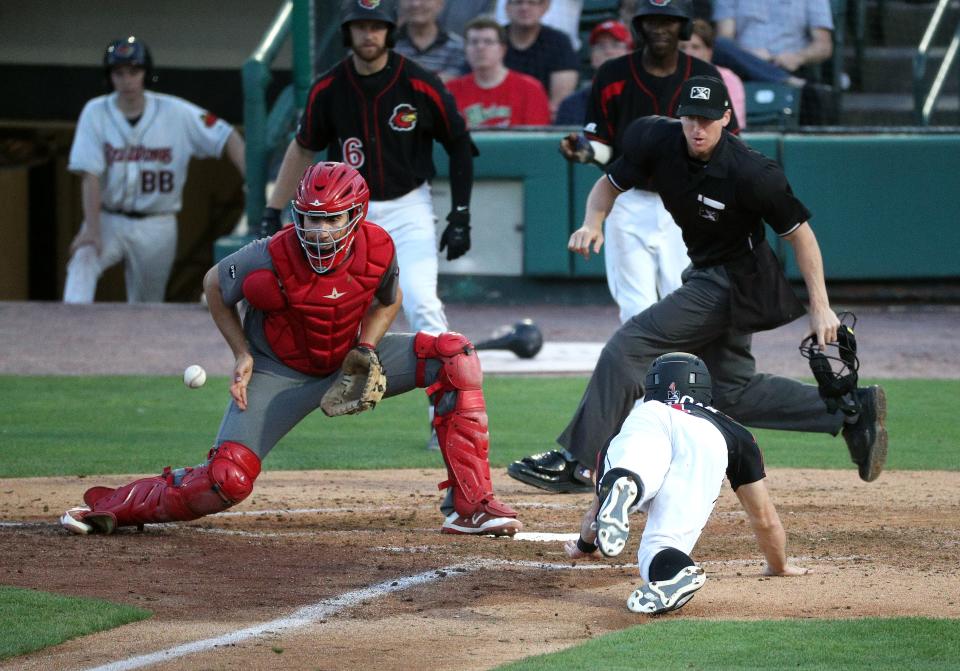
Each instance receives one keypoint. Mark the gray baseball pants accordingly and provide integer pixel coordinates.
(278, 397)
(694, 318)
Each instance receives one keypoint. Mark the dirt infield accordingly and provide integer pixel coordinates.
(885, 549)
(347, 570)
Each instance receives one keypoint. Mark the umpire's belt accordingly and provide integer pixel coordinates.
(135, 215)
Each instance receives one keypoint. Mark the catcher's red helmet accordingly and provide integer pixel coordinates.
(128, 51)
(327, 190)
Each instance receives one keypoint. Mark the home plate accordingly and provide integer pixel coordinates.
(543, 537)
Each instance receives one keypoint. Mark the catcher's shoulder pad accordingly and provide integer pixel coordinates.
(262, 289)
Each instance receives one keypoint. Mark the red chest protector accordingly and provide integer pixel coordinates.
(313, 322)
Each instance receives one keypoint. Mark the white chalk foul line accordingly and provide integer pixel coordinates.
(299, 618)
(326, 608)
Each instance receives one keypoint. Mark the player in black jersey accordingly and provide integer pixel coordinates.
(380, 113)
(668, 460)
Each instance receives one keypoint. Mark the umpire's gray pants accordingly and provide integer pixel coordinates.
(695, 318)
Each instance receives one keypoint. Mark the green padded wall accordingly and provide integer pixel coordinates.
(881, 204)
(532, 157)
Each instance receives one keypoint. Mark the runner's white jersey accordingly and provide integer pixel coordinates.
(143, 168)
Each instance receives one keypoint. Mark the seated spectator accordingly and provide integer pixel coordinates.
(455, 15)
(421, 38)
(791, 36)
(564, 15)
(700, 45)
(609, 39)
(492, 95)
(540, 51)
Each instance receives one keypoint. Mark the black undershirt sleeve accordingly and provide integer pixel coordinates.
(461, 151)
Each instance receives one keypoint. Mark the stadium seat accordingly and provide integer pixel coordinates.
(772, 105)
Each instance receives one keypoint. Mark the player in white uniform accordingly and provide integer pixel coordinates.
(669, 460)
(132, 148)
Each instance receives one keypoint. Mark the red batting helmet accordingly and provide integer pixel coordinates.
(368, 10)
(682, 9)
(128, 51)
(326, 190)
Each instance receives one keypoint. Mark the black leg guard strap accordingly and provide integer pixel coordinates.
(668, 563)
(605, 483)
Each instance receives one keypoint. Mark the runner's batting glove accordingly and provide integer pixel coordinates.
(359, 386)
(270, 223)
(456, 237)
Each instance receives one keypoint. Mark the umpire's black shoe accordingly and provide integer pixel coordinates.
(867, 438)
(553, 472)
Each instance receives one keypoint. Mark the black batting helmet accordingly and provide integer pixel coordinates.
(682, 9)
(128, 51)
(673, 376)
(368, 10)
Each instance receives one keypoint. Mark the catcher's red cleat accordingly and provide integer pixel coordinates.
(480, 523)
(84, 521)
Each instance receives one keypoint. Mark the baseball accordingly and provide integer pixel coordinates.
(194, 376)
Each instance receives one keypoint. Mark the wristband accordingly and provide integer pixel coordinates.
(366, 345)
(585, 547)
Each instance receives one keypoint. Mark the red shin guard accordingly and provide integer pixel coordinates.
(224, 480)
(462, 430)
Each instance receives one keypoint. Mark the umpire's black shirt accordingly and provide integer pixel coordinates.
(720, 205)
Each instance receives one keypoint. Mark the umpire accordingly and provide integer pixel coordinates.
(719, 192)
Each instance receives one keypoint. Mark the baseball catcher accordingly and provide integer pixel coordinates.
(322, 294)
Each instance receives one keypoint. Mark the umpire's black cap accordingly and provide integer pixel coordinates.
(703, 96)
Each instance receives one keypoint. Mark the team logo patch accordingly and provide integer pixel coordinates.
(209, 118)
(699, 93)
(590, 128)
(708, 214)
(404, 117)
(672, 395)
(369, 4)
(124, 50)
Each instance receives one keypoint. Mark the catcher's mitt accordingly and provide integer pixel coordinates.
(359, 386)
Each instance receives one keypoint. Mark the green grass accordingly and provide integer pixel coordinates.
(138, 424)
(824, 645)
(34, 620)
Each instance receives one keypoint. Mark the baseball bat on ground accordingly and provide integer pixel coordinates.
(523, 339)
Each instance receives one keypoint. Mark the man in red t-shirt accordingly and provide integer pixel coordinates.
(494, 96)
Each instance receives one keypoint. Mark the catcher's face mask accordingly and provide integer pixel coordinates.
(331, 201)
(326, 237)
(835, 368)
